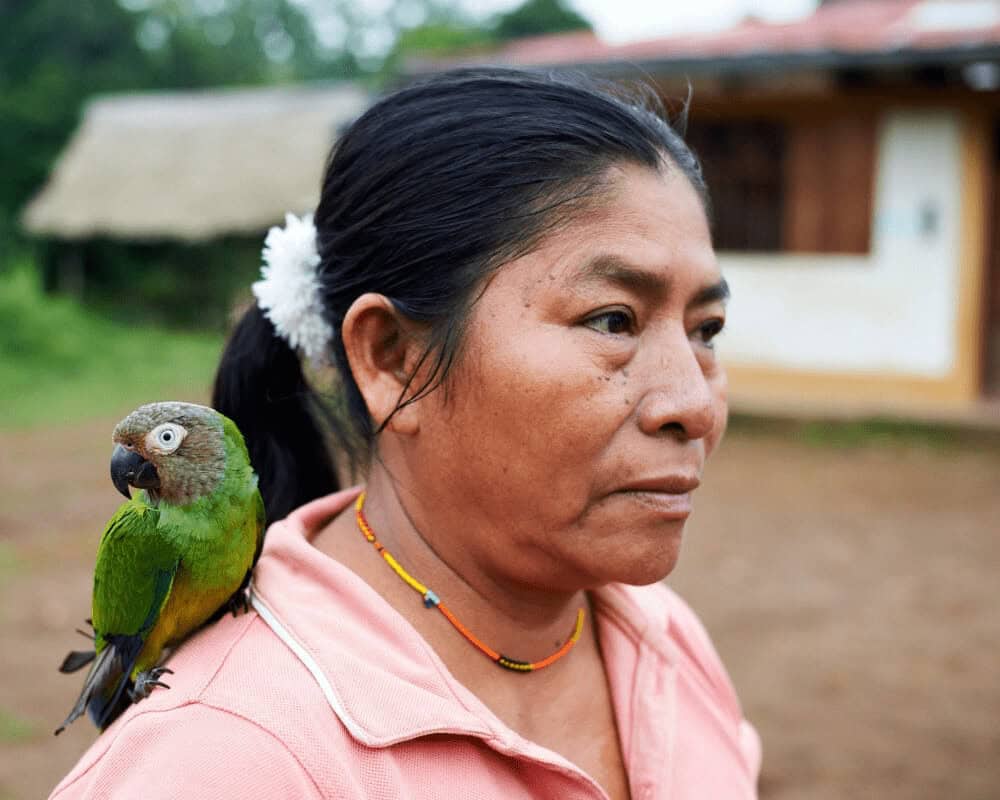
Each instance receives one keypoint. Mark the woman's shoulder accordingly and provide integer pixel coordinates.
(236, 717)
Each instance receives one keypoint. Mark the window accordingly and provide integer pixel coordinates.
(742, 162)
(802, 184)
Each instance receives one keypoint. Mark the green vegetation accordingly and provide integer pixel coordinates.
(539, 16)
(57, 55)
(867, 432)
(111, 347)
(60, 363)
(14, 729)
(10, 561)
(177, 284)
(446, 31)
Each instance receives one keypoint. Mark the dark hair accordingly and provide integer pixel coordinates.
(423, 196)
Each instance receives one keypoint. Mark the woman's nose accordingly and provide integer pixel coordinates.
(679, 399)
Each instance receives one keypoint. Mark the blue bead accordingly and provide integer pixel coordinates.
(430, 599)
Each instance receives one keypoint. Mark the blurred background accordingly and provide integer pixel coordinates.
(845, 551)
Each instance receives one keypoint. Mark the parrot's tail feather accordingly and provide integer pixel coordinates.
(106, 705)
(101, 696)
(105, 664)
(76, 659)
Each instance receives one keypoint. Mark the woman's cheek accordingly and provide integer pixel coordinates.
(719, 383)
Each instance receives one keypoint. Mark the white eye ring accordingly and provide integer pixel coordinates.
(167, 437)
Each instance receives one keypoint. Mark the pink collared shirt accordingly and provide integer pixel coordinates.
(324, 690)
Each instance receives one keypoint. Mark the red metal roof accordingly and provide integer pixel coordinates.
(848, 27)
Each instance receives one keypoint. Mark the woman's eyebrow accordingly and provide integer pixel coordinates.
(607, 268)
(716, 293)
(616, 270)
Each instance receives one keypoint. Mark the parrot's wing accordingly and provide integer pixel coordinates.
(261, 526)
(135, 572)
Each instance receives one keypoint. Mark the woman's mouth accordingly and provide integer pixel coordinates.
(671, 505)
(669, 496)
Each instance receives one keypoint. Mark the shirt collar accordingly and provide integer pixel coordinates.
(381, 678)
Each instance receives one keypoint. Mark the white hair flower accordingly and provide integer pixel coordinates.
(288, 291)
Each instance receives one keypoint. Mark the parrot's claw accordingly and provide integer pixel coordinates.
(239, 603)
(146, 681)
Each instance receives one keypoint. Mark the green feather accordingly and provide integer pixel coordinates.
(135, 568)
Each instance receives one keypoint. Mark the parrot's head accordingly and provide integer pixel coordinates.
(175, 451)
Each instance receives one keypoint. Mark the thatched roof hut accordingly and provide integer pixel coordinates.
(192, 166)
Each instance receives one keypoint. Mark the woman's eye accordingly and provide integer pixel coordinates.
(709, 330)
(613, 322)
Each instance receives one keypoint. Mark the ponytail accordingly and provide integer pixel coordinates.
(260, 386)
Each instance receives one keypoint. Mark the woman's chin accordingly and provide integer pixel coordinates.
(651, 572)
(643, 565)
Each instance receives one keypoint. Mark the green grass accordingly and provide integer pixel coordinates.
(868, 432)
(61, 363)
(14, 729)
(10, 561)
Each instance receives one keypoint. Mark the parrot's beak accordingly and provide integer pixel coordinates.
(128, 468)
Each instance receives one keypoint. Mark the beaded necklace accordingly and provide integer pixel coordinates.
(431, 600)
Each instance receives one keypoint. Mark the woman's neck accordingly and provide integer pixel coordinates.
(519, 621)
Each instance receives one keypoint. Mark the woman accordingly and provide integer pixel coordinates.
(515, 281)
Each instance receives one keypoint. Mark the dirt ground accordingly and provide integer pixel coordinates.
(852, 591)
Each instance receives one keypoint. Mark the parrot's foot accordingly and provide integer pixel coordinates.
(239, 603)
(145, 681)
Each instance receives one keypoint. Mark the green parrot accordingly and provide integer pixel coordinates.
(178, 553)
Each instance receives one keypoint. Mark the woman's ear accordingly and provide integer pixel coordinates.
(382, 350)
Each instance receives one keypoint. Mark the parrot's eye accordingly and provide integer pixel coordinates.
(166, 437)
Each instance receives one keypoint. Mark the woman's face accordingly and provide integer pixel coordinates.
(576, 426)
